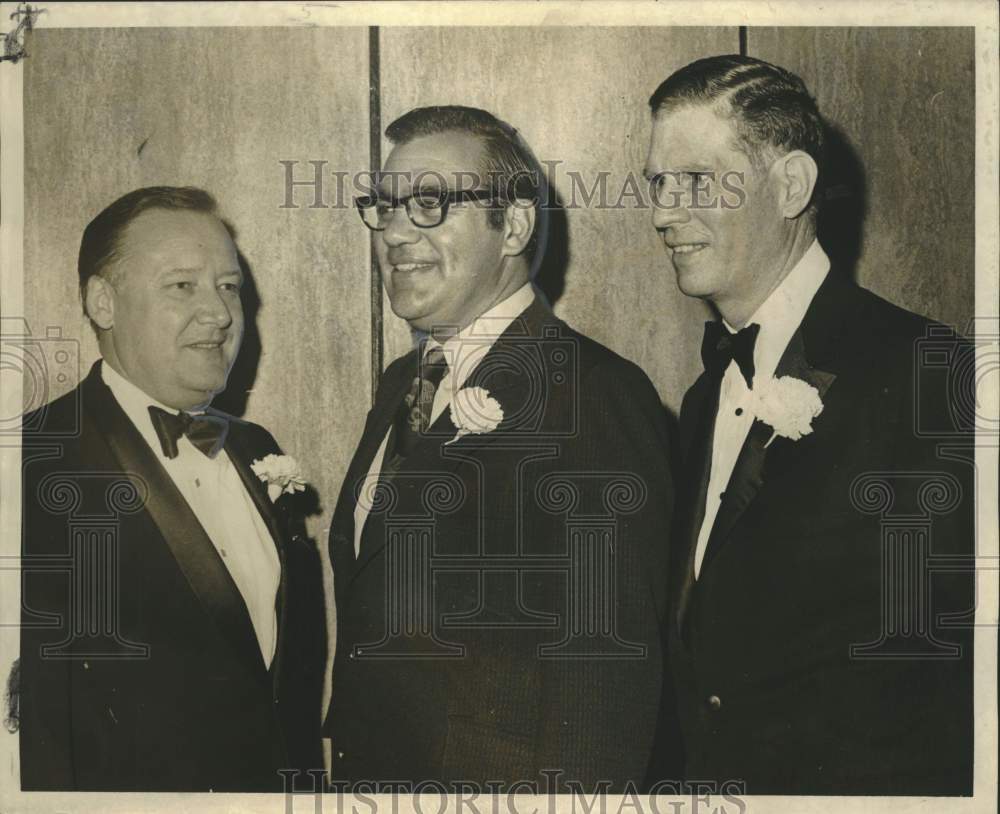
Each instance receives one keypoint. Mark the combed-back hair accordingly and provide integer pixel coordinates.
(771, 108)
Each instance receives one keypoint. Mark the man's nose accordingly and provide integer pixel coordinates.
(399, 229)
(669, 208)
(214, 309)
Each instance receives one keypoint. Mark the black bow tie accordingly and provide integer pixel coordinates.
(206, 432)
(719, 348)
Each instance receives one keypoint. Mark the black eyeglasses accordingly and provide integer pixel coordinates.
(425, 209)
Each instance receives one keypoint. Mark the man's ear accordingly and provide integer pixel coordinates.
(518, 225)
(796, 175)
(99, 302)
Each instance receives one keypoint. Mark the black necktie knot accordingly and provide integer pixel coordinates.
(720, 347)
(206, 432)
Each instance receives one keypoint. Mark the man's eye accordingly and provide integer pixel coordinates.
(429, 199)
(235, 287)
(180, 285)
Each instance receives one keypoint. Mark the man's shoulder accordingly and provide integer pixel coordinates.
(885, 342)
(398, 366)
(891, 323)
(255, 435)
(62, 417)
(597, 363)
(396, 371)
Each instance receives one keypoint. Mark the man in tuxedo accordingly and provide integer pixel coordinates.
(500, 539)
(821, 581)
(172, 635)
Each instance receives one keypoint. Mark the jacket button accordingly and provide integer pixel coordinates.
(340, 755)
(714, 702)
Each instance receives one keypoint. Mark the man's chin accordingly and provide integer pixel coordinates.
(693, 282)
(415, 317)
(201, 392)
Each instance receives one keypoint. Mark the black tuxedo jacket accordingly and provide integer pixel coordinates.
(140, 669)
(502, 617)
(854, 535)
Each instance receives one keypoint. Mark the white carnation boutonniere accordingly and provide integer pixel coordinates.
(786, 404)
(474, 411)
(281, 473)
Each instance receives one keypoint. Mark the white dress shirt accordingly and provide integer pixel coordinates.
(778, 316)
(213, 489)
(463, 352)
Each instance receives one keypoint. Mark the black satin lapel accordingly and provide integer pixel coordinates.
(697, 431)
(187, 540)
(744, 484)
(761, 456)
(691, 412)
(794, 362)
(241, 457)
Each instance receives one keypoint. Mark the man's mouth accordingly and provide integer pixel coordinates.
(410, 267)
(207, 345)
(685, 248)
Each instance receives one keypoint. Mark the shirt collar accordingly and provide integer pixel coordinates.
(136, 403)
(783, 311)
(464, 350)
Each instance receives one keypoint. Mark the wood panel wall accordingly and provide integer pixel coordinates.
(903, 103)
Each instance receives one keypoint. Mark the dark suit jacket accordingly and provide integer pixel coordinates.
(140, 669)
(468, 648)
(796, 573)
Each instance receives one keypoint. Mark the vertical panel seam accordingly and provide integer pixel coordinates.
(375, 164)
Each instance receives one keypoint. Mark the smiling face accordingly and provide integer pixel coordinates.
(172, 320)
(727, 241)
(443, 277)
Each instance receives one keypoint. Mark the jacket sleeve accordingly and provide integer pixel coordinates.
(601, 693)
(44, 682)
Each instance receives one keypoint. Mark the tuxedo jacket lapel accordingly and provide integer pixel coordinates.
(809, 347)
(699, 408)
(187, 540)
(242, 457)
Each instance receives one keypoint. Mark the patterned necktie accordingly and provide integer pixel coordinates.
(414, 416)
(206, 432)
(719, 348)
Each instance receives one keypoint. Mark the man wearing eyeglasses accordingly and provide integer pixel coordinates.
(499, 542)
